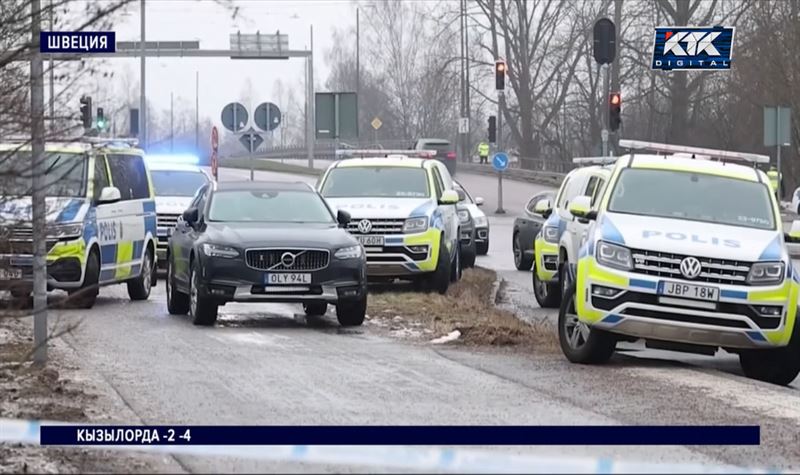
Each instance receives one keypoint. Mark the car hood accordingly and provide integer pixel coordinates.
(691, 237)
(397, 208)
(172, 204)
(475, 210)
(289, 235)
(59, 210)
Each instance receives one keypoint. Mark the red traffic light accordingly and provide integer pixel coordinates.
(615, 98)
(501, 66)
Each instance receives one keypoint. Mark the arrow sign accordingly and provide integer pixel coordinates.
(251, 138)
(234, 117)
(500, 161)
(267, 116)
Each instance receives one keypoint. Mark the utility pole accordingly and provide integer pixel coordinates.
(501, 105)
(310, 101)
(197, 112)
(39, 210)
(171, 124)
(51, 65)
(466, 60)
(606, 109)
(463, 81)
(142, 92)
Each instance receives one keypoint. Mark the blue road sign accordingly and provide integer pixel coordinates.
(500, 161)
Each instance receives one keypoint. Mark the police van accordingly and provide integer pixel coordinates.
(101, 219)
(403, 210)
(686, 250)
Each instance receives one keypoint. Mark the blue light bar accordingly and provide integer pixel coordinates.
(177, 158)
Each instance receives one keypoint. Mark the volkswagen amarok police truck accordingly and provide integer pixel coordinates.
(686, 251)
(403, 212)
(101, 219)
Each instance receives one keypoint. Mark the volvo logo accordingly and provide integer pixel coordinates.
(365, 226)
(690, 267)
(287, 259)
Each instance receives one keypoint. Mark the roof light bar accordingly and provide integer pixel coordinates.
(178, 158)
(381, 153)
(600, 160)
(698, 152)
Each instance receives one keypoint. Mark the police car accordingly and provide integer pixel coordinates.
(403, 212)
(101, 219)
(688, 253)
(176, 179)
(556, 245)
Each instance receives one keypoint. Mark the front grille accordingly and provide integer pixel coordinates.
(272, 259)
(167, 220)
(21, 247)
(666, 264)
(378, 226)
(17, 233)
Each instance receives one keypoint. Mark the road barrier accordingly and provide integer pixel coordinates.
(426, 459)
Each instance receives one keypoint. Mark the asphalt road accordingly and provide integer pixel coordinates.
(262, 364)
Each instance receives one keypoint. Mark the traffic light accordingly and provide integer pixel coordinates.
(500, 75)
(492, 129)
(101, 119)
(86, 112)
(614, 111)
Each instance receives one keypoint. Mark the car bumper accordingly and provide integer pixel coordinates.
(231, 280)
(66, 261)
(638, 310)
(404, 255)
(546, 258)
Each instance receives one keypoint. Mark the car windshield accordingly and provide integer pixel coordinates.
(693, 197)
(177, 183)
(65, 174)
(379, 182)
(269, 206)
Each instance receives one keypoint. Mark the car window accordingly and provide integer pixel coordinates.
(66, 174)
(570, 190)
(437, 182)
(100, 175)
(531, 206)
(177, 182)
(590, 186)
(598, 191)
(130, 176)
(268, 206)
(376, 182)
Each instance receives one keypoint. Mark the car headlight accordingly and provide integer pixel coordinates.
(215, 250)
(481, 221)
(415, 225)
(618, 257)
(550, 234)
(61, 231)
(766, 273)
(350, 252)
(463, 216)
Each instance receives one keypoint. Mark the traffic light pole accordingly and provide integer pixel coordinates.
(501, 103)
(607, 107)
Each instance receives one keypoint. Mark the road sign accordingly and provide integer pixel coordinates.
(214, 139)
(463, 125)
(777, 126)
(376, 123)
(251, 140)
(336, 115)
(234, 117)
(500, 161)
(267, 116)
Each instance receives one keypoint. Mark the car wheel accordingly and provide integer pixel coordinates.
(202, 309)
(548, 295)
(139, 288)
(456, 267)
(20, 292)
(777, 366)
(351, 313)
(439, 280)
(579, 342)
(482, 247)
(468, 254)
(315, 309)
(522, 260)
(177, 301)
(86, 296)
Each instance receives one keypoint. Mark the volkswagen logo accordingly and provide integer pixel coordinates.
(690, 267)
(287, 259)
(365, 226)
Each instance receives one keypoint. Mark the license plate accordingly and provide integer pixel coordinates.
(280, 279)
(689, 291)
(10, 274)
(371, 240)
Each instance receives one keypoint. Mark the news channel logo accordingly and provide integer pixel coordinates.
(693, 48)
(77, 42)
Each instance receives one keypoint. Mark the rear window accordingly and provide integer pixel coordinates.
(438, 146)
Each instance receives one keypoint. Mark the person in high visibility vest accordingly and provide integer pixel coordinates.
(775, 180)
(483, 152)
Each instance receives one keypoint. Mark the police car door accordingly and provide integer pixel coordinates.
(106, 221)
(575, 187)
(128, 173)
(594, 185)
(449, 213)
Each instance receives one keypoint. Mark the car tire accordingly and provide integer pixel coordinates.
(86, 296)
(177, 302)
(482, 247)
(547, 294)
(315, 309)
(469, 254)
(777, 366)
(456, 268)
(522, 260)
(203, 310)
(439, 280)
(579, 342)
(20, 292)
(351, 313)
(139, 288)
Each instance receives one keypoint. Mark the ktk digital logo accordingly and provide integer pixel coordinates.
(693, 48)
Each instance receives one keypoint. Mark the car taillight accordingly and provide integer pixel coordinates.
(451, 155)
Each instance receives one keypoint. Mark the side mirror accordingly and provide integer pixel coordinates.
(478, 201)
(449, 197)
(581, 208)
(543, 208)
(343, 217)
(190, 216)
(109, 194)
(461, 195)
(794, 232)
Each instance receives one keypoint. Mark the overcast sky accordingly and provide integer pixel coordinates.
(222, 79)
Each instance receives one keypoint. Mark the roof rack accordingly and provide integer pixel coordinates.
(600, 160)
(382, 153)
(696, 152)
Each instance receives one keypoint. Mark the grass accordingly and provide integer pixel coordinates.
(268, 165)
(467, 307)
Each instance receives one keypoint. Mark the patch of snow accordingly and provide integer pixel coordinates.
(452, 336)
